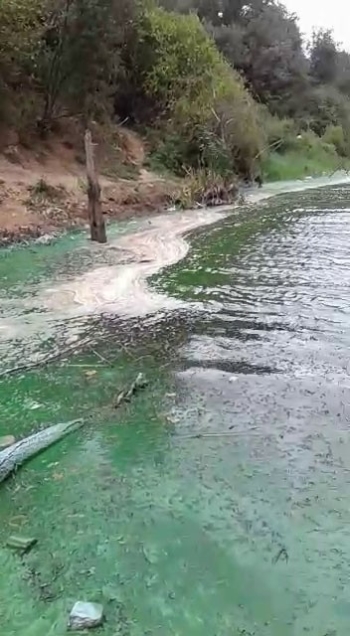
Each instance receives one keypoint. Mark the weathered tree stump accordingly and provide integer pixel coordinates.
(97, 224)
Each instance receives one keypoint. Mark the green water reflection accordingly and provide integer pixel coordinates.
(242, 530)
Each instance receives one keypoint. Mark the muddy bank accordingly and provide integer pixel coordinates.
(45, 192)
(20, 235)
(24, 221)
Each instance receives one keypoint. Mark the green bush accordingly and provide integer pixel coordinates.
(187, 70)
(281, 134)
(326, 106)
(198, 148)
(334, 135)
(171, 153)
(311, 156)
(208, 119)
(20, 32)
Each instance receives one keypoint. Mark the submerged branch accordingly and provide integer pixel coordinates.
(15, 455)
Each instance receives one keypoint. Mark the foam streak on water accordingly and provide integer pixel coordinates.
(123, 289)
(58, 310)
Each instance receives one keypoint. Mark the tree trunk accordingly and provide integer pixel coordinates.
(97, 224)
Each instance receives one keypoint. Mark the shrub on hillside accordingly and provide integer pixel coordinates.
(281, 134)
(334, 135)
(210, 119)
(20, 29)
(204, 188)
(311, 155)
(326, 106)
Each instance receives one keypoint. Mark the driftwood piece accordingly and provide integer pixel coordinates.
(14, 456)
(22, 544)
(97, 224)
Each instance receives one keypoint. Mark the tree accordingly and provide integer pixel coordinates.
(275, 65)
(323, 57)
(217, 12)
(80, 55)
(343, 72)
(20, 27)
(261, 40)
(325, 106)
(230, 41)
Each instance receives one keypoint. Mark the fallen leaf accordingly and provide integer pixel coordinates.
(18, 521)
(6, 441)
(90, 374)
(57, 476)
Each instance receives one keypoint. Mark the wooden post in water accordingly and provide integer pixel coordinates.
(97, 224)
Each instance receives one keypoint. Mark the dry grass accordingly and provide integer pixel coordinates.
(204, 188)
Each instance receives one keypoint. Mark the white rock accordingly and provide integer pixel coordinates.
(6, 441)
(85, 616)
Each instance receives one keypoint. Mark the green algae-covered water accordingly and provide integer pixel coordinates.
(215, 502)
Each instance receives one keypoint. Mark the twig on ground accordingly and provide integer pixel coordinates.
(127, 351)
(124, 396)
(100, 356)
(35, 365)
(49, 358)
(281, 554)
(86, 366)
(203, 435)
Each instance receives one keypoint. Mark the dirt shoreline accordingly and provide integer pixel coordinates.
(27, 214)
(43, 195)
(43, 189)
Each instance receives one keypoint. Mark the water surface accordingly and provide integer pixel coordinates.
(217, 501)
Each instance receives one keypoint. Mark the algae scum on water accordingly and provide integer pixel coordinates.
(214, 501)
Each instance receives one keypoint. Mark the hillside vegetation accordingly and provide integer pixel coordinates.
(218, 88)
